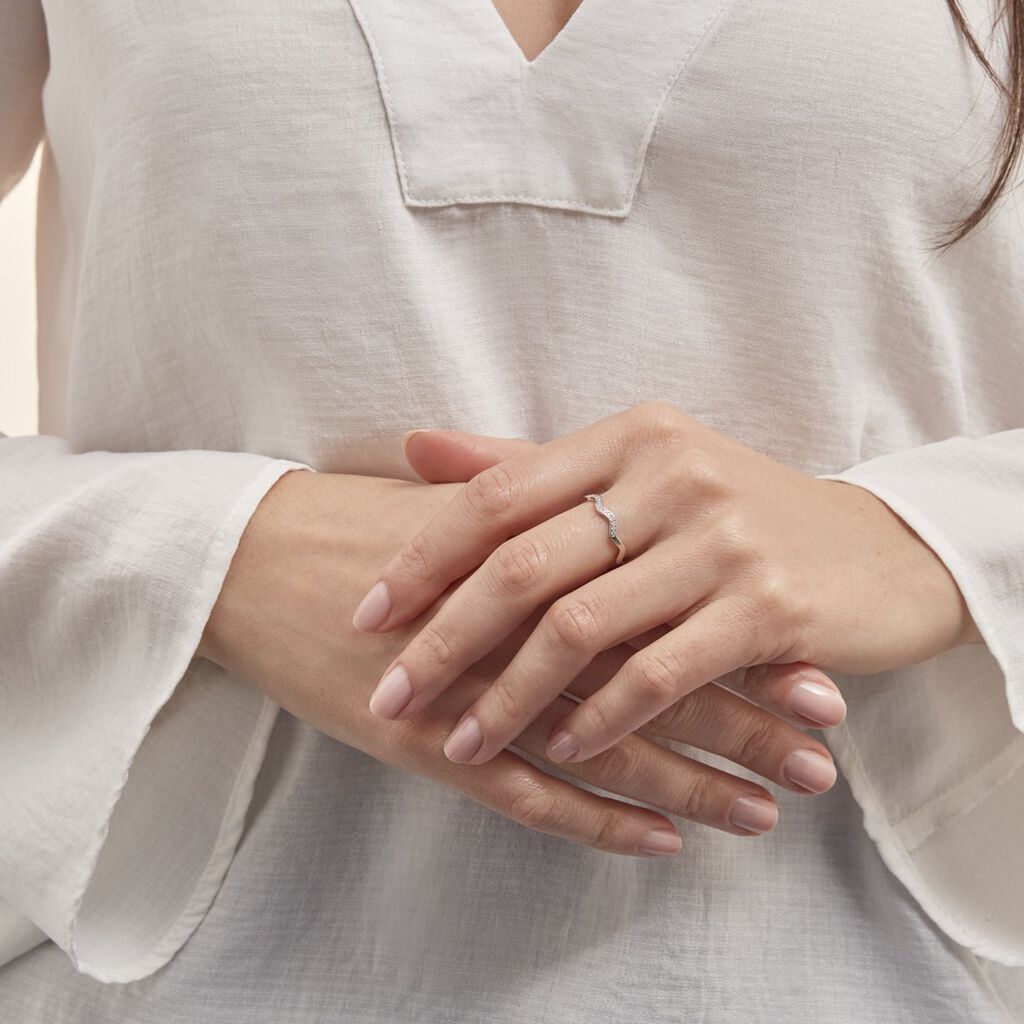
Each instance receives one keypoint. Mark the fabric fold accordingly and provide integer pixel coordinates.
(934, 753)
(127, 761)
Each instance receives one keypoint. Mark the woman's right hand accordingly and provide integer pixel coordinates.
(282, 622)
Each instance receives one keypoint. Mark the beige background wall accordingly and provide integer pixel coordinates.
(18, 388)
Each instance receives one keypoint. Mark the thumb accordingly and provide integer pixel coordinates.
(453, 456)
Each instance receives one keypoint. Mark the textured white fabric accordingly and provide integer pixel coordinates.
(276, 236)
(360, 893)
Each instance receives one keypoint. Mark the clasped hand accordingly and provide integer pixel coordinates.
(733, 560)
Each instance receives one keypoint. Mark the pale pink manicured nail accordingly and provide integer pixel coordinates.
(817, 702)
(466, 739)
(374, 608)
(809, 769)
(754, 813)
(409, 433)
(393, 692)
(660, 841)
(562, 746)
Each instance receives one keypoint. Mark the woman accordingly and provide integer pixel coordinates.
(675, 256)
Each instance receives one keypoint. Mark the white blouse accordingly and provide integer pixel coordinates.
(276, 236)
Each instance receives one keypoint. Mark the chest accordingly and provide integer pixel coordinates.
(326, 218)
(440, 97)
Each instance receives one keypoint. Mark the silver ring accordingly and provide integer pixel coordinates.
(600, 506)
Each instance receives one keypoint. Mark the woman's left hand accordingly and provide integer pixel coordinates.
(746, 560)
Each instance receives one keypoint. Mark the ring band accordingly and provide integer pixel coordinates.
(603, 509)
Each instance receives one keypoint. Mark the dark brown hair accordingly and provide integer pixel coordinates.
(1008, 148)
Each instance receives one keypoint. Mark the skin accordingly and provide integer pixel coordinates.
(747, 561)
(282, 623)
(533, 24)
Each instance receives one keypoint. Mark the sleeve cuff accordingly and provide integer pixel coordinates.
(934, 753)
(121, 824)
(161, 854)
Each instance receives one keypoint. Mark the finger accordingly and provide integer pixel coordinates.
(453, 456)
(797, 691)
(498, 503)
(715, 719)
(519, 576)
(641, 769)
(721, 722)
(529, 796)
(801, 692)
(601, 614)
(710, 642)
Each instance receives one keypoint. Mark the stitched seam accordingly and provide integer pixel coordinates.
(382, 79)
(974, 965)
(978, 781)
(897, 847)
(890, 843)
(403, 173)
(621, 210)
(669, 84)
(545, 200)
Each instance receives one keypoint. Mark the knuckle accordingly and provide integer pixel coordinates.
(750, 680)
(616, 766)
(702, 472)
(695, 799)
(518, 564)
(660, 418)
(687, 715)
(773, 597)
(509, 702)
(534, 807)
(491, 493)
(416, 560)
(437, 643)
(594, 719)
(672, 721)
(656, 675)
(786, 608)
(769, 618)
(734, 541)
(606, 833)
(576, 622)
(756, 741)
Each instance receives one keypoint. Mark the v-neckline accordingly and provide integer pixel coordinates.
(472, 120)
(503, 24)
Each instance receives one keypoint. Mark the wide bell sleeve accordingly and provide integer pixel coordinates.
(934, 753)
(126, 763)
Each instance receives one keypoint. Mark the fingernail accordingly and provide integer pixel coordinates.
(810, 769)
(393, 692)
(409, 433)
(660, 841)
(562, 746)
(754, 813)
(817, 702)
(466, 739)
(374, 608)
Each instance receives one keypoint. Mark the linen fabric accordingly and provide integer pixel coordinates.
(273, 238)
